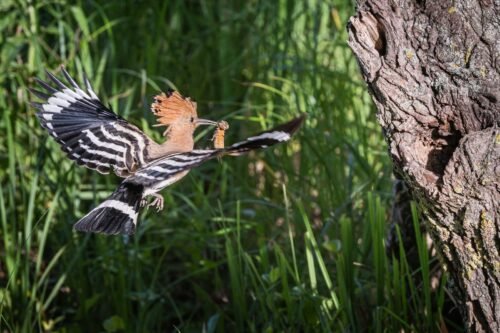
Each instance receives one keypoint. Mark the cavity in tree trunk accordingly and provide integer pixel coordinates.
(433, 69)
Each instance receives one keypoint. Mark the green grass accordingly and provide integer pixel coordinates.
(287, 240)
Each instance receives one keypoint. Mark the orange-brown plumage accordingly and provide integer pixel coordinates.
(172, 105)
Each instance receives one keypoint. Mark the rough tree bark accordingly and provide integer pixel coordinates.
(433, 69)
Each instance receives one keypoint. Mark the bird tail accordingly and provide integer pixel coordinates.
(117, 214)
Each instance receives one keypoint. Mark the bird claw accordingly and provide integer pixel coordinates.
(157, 203)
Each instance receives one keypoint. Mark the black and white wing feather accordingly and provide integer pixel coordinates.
(89, 133)
(279, 134)
(166, 171)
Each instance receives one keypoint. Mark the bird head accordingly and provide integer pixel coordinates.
(177, 112)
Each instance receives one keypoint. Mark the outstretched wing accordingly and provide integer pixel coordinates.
(89, 133)
(166, 171)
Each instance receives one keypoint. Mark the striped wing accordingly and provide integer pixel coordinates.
(166, 171)
(89, 133)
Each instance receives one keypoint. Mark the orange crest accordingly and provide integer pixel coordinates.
(170, 106)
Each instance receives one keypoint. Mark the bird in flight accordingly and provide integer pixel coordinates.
(94, 136)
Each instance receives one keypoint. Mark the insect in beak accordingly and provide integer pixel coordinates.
(220, 131)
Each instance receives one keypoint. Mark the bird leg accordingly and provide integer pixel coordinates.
(157, 201)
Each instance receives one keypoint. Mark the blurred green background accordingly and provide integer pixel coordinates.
(291, 239)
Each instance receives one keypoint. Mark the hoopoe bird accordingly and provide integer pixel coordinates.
(94, 136)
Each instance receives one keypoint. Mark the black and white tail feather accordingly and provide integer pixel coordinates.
(89, 133)
(118, 214)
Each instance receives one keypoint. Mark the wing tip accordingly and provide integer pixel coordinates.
(56, 81)
(293, 125)
(276, 135)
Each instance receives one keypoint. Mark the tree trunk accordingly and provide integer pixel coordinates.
(433, 69)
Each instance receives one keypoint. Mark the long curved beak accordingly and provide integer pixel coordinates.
(205, 122)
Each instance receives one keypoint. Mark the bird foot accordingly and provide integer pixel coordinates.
(157, 202)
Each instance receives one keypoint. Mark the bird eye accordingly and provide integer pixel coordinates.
(192, 119)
